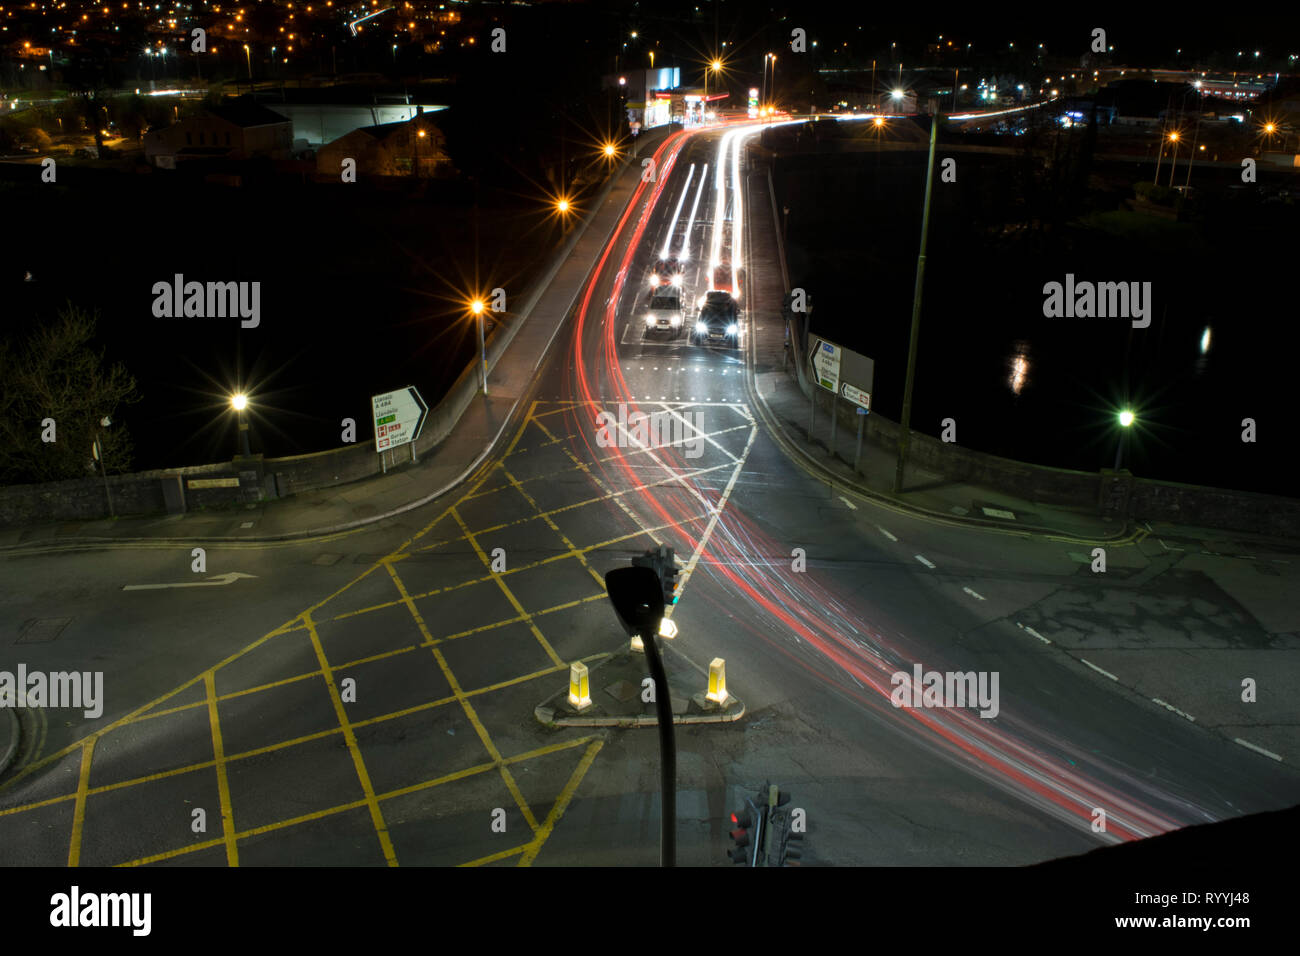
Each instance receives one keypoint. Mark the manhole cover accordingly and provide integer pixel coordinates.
(44, 631)
(623, 691)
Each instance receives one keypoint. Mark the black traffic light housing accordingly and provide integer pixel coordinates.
(663, 563)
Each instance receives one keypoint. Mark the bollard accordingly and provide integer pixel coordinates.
(717, 681)
(579, 686)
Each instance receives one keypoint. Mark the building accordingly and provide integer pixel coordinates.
(646, 94)
(238, 129)
(412, 148)
(322, 116)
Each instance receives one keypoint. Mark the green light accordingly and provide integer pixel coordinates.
(1126, 418)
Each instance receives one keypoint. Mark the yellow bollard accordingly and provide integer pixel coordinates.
(579, 686)
(717, 681)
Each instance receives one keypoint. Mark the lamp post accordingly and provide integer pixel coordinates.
(1126, 419)
(904, 425)
(97, 449)
(478, 309)
(239, 402)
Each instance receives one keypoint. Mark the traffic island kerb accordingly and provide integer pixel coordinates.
(616, 700)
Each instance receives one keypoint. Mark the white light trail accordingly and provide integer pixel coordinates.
(686, 239)
(677, 213)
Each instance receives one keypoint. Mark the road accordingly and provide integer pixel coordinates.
(367, 698)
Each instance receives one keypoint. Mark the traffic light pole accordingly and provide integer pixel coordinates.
(667, 750)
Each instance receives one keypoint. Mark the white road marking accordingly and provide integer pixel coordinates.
(886, 533)
(1259, 750)
(921, 558)
(1033, 632)
(979, 597)
(228, 578)
(1099, 670)
(851, 505)
(1167, 706)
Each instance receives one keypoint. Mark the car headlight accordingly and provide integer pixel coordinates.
(677, 320)
(732, 329)
(677, 280)
(649, 320)
(701, 328)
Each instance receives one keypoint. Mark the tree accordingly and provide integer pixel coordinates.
(56, 373)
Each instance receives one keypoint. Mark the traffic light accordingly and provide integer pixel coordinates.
(780, 833)
(662, 562)
(742, 821)
(668, 575)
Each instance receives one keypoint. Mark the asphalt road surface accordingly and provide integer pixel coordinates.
(367, 698)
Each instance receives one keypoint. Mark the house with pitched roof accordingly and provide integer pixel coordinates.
(414, 148)
(237, 129)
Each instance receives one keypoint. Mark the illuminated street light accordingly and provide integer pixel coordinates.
(1126, 419)
(478, 307)
(239, 402)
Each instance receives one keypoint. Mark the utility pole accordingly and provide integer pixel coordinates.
(905, 425)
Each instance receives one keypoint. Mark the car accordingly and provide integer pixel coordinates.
(723, 280)
(718, 322)
(666, 271)
(665, 313)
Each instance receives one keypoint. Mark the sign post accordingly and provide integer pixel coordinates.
(398, 416)
(843, 373)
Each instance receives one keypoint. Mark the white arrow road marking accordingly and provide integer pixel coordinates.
(229, 578)
(849, 503)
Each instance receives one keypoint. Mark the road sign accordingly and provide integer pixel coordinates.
(856, 395)
(398, 417)
(834, 366)
(826, 364)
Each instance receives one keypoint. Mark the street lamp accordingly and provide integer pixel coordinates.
(239, 402)
(1126, 419)
(715, 66)
(248, 55)
(477, 307)
(904, 428)
(97, 449)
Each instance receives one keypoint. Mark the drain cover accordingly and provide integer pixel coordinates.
(43, 631)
